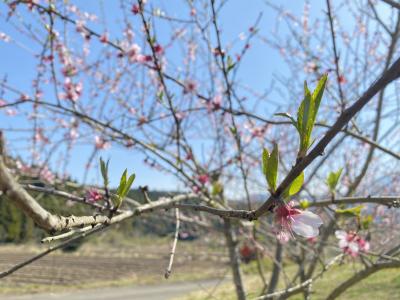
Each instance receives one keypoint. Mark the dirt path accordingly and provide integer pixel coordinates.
(154, 292)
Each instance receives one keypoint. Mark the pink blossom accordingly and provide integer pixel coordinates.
(133, 53)
(100, 143)
(73, 91)
(39, 136)
(214, 104)
(135, 9)
(132, 110)
(4, 37)
(23, 167)
(196, 189)
(351, 243)
(312, 240)
(142, 120)
(104, 38)
(69, 70)
(73, 134)
(93, 195)
(190, 86)
(180, 115)
(143, 58)
(47, 175)
(289, 220)
(11, 112)
(203, 178)
(24, 97)
(158, 49)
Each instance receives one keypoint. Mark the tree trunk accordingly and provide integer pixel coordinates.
(276, 269)
(231, 242)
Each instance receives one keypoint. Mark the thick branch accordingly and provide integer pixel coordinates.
(44, 219)
(387, 77)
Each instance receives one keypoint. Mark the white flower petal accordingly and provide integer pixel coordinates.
(308, 218)
(343, 243)
(354, 247)
(304, 229)
(341, 234)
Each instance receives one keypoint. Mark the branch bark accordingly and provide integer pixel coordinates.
(387, 77)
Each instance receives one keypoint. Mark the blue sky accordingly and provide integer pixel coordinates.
(258, 67)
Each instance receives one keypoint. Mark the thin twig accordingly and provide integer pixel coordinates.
(172, 254)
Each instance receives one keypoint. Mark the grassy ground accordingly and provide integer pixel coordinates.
(101, 263)
(383, 285)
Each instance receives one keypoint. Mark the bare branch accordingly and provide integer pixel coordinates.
(172, 254)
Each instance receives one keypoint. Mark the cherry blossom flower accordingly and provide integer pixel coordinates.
(4, 37)
(72, 135)
(351, 243)
(47, 175)
(135, 9)
(133, 53)
(40, 137)
(100, 143)
(93, 195)
(142, 120)
(180, 115)
(25, 169)
(289, 220)
(196, 189)
(140, 58)
(104, 38)
(214, 104)
(203, 178)
(73, 91)
(190, 86)
(69, 70)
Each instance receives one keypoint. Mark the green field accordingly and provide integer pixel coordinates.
(383, 285)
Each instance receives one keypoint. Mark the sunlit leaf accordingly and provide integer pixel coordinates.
(304, 203)
(333, 179)
(295, 186)
(350, 212)
(272, 168)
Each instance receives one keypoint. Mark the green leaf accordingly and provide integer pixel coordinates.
(117, 200)
(304, 121)
(104, 171)
(350, 212)
(216, 188)
(122, 183)
(333, 179)
(366, 221)
(295, 186)
(318, 93)
(231, 64)
(304, 204)
(128, 185)
(272, 168)
(265, 158)
(160, 96)
(288, 116)
(307, 114)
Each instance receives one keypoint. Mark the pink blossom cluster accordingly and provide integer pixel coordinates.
(100, 143)
(203, 178)
(214, 104)
(93, 195)
(9, 111)
(73, 91)
(290, 219)
(351, 243)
